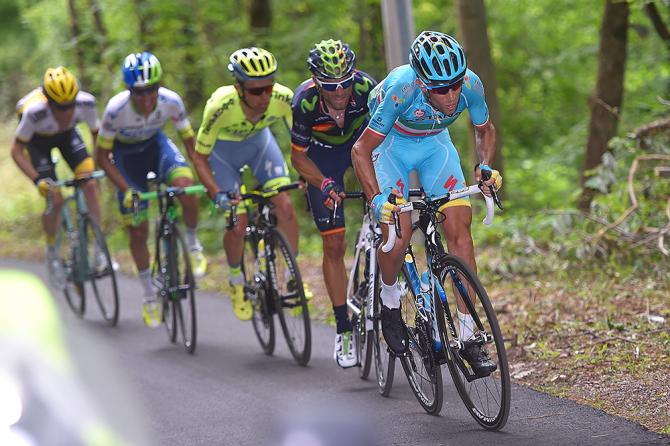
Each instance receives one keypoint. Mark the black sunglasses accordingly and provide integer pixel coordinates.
(144, 91)
(68, 106)
(444, 89)
(259, 90)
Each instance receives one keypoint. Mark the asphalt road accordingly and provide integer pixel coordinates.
(230, 393)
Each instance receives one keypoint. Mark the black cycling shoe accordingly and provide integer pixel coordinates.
(478, 359)
(394, 330)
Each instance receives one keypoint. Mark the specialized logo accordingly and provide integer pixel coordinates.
(375, 157)
(450, 183)
(401, 186)
(306, 105)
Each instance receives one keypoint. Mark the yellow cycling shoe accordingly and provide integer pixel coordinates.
(241, 306)
(151, 313)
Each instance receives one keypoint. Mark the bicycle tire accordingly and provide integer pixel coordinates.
(182, 290)
(255, 289)
(107, 295)
(423, 372)
(384, 359)
(290, 302)
(471, 391)
(359, 292)
(70, 255)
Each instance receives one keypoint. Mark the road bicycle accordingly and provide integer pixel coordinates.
(363, 300)
(171, 270)
(430, 309)
(273, 283)
(84, 254)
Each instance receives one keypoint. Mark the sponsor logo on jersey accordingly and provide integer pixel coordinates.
(306, 105)
(419, 113)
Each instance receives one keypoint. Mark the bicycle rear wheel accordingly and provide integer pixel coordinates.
(423, 371)
(487, 398)
(290, 299)
(68, 243)
(181, 292)
(358, 293)
(255, 290)
(101, 274)
(384, 359)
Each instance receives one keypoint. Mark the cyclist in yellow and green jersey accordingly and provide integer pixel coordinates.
(235, 133)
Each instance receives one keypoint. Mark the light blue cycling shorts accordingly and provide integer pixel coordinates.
(434, 158)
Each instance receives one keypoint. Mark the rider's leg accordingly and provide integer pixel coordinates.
(286, 219)
(334, 274)
(233, 243)
(90, 188)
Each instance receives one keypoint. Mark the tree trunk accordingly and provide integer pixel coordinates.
(607, 98)
(75, 32)
(260, 14)
(474, 37)
(142, 24)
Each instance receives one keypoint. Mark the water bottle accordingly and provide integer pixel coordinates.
(425, 290)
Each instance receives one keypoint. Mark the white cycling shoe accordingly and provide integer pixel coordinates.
(345, 350)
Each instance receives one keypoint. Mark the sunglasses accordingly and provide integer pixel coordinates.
(444, 89)
(144, 91)
(260, 90)
(333, 86)
(68, 106)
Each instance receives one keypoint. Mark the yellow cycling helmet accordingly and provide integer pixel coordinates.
(59, 85)
(252, 63)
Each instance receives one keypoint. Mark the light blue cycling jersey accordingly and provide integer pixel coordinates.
(397, 104)
(416, 136)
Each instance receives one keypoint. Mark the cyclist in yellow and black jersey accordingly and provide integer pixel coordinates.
(48, 116)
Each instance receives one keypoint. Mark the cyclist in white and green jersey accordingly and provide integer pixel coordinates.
(234, 133)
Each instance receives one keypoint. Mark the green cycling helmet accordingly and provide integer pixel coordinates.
(331, 59)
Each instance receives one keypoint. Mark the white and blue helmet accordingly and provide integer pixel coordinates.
(437, 58)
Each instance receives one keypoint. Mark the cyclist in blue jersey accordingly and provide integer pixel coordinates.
(410, 112)
(330, 111)
(132, 144)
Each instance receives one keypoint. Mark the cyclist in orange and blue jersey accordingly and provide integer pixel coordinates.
(330, 112)
(410, 112)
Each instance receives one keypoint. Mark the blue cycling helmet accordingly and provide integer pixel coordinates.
(141, 70)
(437, 59)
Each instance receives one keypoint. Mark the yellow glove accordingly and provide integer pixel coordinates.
(44, 185)
(495, 175)
(382, 208)
(128, 197)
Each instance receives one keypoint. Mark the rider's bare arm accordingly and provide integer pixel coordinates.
(201, 165)
(21, 160)
(361, 157)
(306, 168)
(102, 157)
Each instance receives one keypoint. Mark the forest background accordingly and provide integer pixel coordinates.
(579, 92)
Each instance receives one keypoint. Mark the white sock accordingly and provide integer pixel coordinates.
(192, 237)
(145, 280)
(236, 279)
(390, 295)
(466, 325)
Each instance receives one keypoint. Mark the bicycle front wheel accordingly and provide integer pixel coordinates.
(181, 292)
(255, 290)
(101, 272)
(358, 294)
(384, 359)
(486, 396)
(290, 299)
(70, 253)
(423, 371)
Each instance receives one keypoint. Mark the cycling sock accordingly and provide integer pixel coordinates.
(235, 275)
(466, 325)
(342, 318)
(390, 295)
(51, 250)
(192, 237)
(145, 279)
